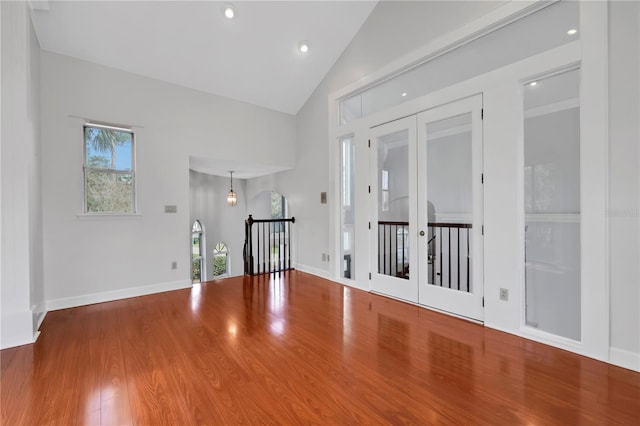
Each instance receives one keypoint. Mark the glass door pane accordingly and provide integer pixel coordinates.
(449, 203)
(393, 175)
(393, 204)
(552, 204)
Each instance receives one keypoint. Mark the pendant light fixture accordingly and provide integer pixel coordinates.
(232, 197)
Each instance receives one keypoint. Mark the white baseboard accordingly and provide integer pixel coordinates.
(625, 359)
(108, 296)
(313, 271)
(17, 329)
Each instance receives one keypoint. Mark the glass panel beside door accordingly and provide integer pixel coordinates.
(347, 206)
(552, 204)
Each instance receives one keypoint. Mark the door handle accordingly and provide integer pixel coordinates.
(422, 233)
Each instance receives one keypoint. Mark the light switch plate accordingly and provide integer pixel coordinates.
(504, 294)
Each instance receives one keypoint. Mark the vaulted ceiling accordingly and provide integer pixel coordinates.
(252, 58)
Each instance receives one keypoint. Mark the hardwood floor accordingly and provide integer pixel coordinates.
(297, 350)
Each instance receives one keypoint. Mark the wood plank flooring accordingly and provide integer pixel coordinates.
(297, 350)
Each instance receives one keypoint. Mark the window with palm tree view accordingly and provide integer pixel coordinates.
(109, 176)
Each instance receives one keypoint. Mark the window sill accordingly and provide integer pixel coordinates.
(109, 216)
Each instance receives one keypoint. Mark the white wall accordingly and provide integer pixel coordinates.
(392, 30)
(222, 223)
(93, 259)
(624, 179)
(22, 288)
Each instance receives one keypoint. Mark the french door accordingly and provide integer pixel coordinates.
(394, 209)
(450, 207)
(427, 208)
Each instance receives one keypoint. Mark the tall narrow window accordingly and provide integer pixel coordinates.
(347, 208)
(196, 252)
(552, 204)
(109, 175)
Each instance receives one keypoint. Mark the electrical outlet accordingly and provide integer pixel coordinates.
(324, 257)
(504, 294)
(171, 209)
(174, 265)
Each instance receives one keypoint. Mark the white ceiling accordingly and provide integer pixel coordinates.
(252, 58)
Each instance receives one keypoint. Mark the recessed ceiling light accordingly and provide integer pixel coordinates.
(572, 31)
(229, 11)
(533, 83)
(303, 47)
(404, 94)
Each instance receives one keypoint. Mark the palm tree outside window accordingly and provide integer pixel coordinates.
(109, 170)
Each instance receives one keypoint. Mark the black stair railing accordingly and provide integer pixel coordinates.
(267, 245)
(393, 248)
(448, 256)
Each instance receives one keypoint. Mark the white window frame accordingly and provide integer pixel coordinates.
(224, 253)
(86, 169)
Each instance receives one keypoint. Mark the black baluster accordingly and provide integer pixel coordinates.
(403, 252)
(449, 260)
(270, 249)
(441, 274)
(468, 280)
(458, 258)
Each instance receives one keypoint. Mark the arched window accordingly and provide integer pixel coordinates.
(196, 252)
(220, 261)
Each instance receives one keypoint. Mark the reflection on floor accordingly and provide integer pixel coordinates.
(297, 349)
